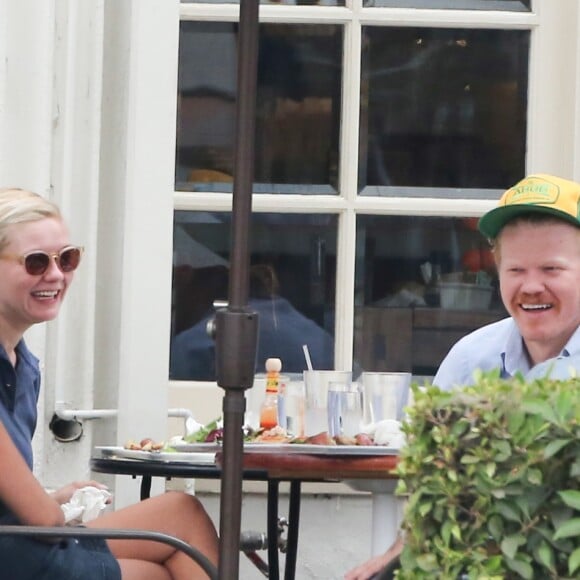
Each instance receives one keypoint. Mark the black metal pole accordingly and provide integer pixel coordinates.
(236, 326)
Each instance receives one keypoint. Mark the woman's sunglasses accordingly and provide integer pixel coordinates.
(36, 263)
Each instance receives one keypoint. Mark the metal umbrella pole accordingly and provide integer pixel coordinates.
(236, 326)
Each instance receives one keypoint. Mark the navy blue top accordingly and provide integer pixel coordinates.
(282, 332)
(19, 388)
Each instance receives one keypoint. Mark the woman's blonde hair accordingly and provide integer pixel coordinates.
(21, 206)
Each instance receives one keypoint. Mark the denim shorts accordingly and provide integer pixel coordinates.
(69, 559)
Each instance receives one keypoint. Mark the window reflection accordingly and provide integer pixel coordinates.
(442, 108)
(421, 284)
(298, 107)
(293, 264)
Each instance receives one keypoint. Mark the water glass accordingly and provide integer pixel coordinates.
(295, 408)
(345, 409)
(316, 385)
(254, 399)
(385, 395)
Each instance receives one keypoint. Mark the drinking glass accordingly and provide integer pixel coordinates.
(345, 409)
(295, 408)
(385, 395)
(254, 399)
(316, 398)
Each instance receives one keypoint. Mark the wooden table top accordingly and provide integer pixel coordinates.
(320, 467)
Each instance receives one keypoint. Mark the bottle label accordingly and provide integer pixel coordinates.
(272, 385)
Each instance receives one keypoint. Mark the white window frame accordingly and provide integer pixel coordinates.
(546, 23)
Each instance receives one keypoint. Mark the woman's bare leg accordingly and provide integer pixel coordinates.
(174, 513)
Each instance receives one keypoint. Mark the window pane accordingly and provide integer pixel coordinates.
(505, 5)
(415, 298)
(298, 107)
(442, 108)
(293, 261)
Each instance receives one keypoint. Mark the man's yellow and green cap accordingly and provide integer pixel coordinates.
(541, 193)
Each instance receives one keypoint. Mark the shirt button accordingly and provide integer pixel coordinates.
(8, 385)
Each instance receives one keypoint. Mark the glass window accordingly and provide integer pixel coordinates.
(292, 287)
(421, 284)
(505, 5)
(298, 107)
(442, 108)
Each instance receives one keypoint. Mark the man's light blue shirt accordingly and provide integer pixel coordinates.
(500, 346)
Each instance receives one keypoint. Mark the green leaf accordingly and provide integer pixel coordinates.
(542, 408)
(568, 529)
(574, 561)
(469, 459)
(509, 546)
(571, 498)
(427, 562)
(508, 511)
(446, 531)
(534, 476)
(524, 569)
(563, 405)
(495, 527)
(546, 555)
(515, 421)
(554, 446)
(490, 469)
(456, 532)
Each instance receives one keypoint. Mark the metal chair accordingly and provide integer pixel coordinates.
(113, 534)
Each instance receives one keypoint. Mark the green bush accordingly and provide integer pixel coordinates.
(491, 473)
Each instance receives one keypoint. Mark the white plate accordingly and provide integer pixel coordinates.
(196, 458)
(197, 447)
(295, 448)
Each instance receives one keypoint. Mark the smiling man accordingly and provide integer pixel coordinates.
(535, 235)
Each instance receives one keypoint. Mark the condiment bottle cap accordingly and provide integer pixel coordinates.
(273, 365)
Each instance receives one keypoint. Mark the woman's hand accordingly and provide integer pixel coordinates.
(64, 494)
(373, 566)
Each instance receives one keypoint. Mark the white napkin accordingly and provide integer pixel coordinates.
(387, 432)
(85, 504)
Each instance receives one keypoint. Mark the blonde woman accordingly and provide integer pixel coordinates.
(37, 265)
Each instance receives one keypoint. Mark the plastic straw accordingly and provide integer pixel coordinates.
(307, 357)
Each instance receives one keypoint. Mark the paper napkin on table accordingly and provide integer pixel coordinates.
(86, 504)
(386, 432)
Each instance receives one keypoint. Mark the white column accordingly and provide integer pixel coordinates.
(75, 99)
(136, 214)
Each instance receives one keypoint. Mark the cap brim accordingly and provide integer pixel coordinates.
(494, 220)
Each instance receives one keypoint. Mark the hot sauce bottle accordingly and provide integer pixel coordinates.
(269, 408)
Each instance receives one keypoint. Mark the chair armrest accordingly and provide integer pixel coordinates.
(113, 534)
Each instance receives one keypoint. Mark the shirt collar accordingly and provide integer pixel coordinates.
(514, 357)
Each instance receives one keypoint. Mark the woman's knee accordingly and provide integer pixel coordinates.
(184, 503)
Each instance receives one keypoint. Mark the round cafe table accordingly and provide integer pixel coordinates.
(272, 467)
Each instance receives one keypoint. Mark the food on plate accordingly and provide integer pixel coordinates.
(344, 440)
(320, 439)
(364, 439)
(279, 435)
(146, 444)
(213, 432)
(275, 435)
